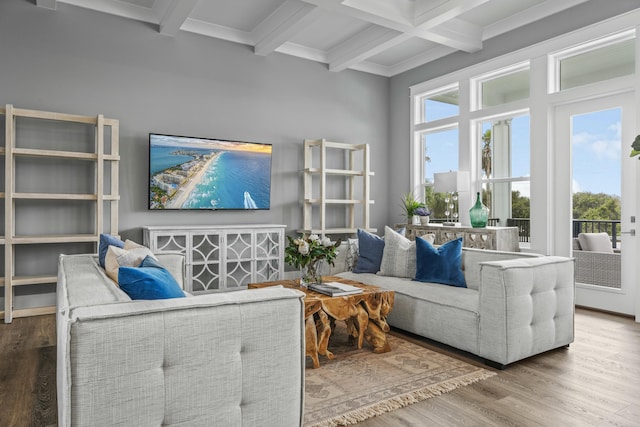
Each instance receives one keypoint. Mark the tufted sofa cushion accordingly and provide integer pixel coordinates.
(228, 359)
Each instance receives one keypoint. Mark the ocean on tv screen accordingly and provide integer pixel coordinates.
(221, 175)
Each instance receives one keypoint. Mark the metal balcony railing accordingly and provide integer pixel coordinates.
(611, 227)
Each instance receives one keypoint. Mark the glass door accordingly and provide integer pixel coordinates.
(595, 199)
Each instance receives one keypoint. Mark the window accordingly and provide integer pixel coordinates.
(436, 139)
(439, 104)
(504, 158)
(440, 150)
(595, 61)
(502, 87)
(504, 124)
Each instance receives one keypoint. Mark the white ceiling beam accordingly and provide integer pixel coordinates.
(126, 10)
(363, 45)
(284, 23)
(463, 35)
(427, 16)
(458, 34)
(47, 4)
(400, 11)
(373, 16)
(175, 15)
(217, 31)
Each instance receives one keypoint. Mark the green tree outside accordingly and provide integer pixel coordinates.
(586, 205)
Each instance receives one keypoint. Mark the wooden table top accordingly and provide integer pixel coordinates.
(295, 284)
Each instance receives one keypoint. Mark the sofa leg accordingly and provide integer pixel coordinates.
(494, 365)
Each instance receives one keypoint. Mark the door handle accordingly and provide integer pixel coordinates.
(631, 232)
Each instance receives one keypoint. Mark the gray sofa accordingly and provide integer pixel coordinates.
(231, 359)
(515, 305)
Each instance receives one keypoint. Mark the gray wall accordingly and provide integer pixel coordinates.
(77, 61)
(564, 22)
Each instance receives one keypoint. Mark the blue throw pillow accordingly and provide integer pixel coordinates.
(370, 250)
(440, 265)
(150, 261)
(149, 281)
(107, 240)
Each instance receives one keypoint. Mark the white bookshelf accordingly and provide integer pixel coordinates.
(355, 172)
(101, 203)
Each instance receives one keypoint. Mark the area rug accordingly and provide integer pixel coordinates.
(358, 384)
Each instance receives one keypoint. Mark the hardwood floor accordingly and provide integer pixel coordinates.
(28, 372)
(596, 382)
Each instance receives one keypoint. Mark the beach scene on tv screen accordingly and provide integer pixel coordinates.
(195, 173)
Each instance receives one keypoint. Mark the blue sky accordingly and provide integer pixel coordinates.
(596, 148)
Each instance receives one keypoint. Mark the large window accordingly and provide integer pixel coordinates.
(494, 120)
(504, 158)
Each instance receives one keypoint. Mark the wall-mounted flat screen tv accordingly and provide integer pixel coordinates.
(203, 173)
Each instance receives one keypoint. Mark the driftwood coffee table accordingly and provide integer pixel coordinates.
(365, 315)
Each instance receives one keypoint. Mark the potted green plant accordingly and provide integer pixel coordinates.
(410, 204)
(635, 147)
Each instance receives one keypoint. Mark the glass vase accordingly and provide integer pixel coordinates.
(311, 273)
(479, 214)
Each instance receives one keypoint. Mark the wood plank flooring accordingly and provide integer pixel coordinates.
(596, 382)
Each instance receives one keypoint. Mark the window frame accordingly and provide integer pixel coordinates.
(541, 103)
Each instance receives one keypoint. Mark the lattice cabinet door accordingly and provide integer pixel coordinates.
(238, 259)
(222, 258)
(170, 243)
(268, 259)
(205, 261)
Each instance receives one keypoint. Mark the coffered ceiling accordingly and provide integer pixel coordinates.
(383, 37)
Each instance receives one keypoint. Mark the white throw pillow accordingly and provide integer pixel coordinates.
(595, 242)
(118, 257)
(399, 255)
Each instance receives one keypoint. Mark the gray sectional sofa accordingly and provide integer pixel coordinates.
(515, 305)
(232, 359)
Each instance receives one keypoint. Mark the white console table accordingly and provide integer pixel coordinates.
(493, 238)
(222, 257)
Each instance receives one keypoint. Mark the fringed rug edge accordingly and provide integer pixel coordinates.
(400, 401)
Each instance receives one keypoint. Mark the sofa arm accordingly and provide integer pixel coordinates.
(206, 360)
(526, 307)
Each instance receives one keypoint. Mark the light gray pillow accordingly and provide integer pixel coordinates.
(595, 242)
(399, 255)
